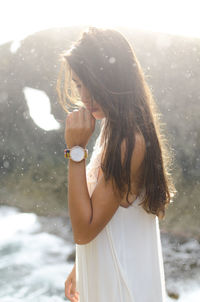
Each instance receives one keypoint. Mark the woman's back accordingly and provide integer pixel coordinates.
(123, 263)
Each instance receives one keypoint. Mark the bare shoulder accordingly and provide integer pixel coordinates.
(137, 154)
(137, 168)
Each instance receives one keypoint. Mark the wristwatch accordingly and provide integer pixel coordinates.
(76, 153)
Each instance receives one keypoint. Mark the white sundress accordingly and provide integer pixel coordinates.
(124, 262)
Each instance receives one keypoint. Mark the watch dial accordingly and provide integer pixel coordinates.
(77, 154)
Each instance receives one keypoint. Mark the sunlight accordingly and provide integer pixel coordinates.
(26, 17)
(39, 108)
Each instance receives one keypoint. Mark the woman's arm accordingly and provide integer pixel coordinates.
(90, 215)
(79, 203)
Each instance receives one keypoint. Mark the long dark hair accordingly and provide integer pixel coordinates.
(106, 64)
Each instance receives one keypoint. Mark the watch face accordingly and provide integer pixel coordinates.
(77, 153)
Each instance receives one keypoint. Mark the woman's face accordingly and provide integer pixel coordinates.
(86, 99)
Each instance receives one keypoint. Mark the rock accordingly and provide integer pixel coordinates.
(172, 295)
(71, 257)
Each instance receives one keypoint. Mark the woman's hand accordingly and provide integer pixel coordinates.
(70, 286)
(80, 125)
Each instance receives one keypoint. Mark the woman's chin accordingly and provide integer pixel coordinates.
(98, 115)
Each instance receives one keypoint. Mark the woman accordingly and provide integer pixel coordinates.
(115, 203)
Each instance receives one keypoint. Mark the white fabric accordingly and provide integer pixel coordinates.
(123, 263)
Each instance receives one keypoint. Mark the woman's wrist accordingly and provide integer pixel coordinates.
(70, 146)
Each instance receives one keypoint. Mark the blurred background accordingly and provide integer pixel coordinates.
(36, 244)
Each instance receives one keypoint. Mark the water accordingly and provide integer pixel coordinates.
(182, 267)
(34, 266)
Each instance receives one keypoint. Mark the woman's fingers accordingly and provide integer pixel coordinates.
(70, 290)
(79, 127)
(76, 297)
(83, 115)
(67, 287)
(73, 287)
